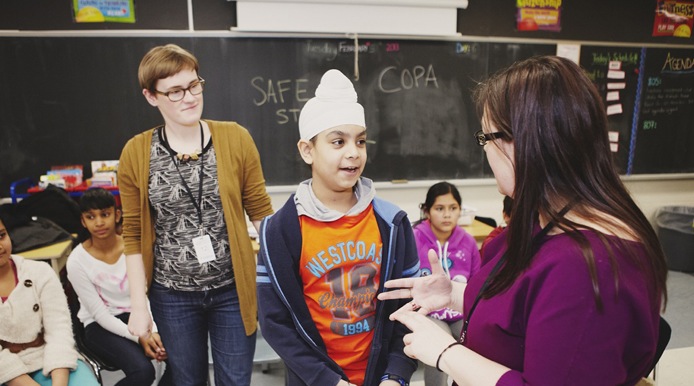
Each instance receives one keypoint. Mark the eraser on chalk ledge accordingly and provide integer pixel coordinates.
(403, 181)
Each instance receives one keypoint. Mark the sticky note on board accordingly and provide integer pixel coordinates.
(612, 96)
(615, 74)
(614, 65)
(616, 85)
(614, 109)
(613, 136)
(614, 147)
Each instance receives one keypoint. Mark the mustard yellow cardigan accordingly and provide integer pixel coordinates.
(241, 187)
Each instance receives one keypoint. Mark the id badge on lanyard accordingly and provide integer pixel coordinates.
(203, 249)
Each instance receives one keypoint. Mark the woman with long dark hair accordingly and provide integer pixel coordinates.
(572, 291)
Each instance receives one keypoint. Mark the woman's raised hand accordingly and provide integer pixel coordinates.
(428, 293)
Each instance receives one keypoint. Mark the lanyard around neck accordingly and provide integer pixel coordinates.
(197, 204)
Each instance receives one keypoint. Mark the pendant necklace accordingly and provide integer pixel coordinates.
(184, 158)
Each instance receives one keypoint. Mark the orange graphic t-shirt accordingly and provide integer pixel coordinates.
(340, 269)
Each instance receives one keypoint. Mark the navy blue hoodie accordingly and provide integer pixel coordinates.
(285, 319)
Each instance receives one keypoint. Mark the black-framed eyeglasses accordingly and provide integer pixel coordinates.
(482, 137)
(195, 88)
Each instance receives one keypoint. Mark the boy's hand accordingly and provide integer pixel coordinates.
(389, 382)
(345, 383)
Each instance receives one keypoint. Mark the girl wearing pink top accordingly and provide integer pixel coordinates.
(457, 252)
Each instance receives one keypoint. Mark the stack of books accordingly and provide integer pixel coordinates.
(104, 173)
(64, 176)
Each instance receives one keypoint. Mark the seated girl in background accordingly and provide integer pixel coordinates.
(36, 342)
(96, 270)
(457, 252)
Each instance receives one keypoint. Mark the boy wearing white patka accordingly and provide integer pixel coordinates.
(326, 254)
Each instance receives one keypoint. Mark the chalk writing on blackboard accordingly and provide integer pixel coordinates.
(669, 97)
(604, 58)
(664, 141)
(391, 79)
(281, 93)
(674, 64)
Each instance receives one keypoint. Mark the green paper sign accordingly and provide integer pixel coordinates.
(100, 11)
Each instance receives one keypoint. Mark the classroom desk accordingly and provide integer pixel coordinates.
(478, 230)
(56, 253)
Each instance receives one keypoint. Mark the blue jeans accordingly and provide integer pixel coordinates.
(124, 354)
(185, 319)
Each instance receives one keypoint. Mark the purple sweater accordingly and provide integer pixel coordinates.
(462, 259)
(546, 326)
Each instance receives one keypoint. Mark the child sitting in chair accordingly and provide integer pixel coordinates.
(96, 270)
(36, 342)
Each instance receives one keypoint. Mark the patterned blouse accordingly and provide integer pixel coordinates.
(176, 220)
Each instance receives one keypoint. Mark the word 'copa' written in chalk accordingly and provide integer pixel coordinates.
(391, 79)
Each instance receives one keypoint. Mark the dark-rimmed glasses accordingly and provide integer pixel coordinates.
(177, 95)
(482, 137)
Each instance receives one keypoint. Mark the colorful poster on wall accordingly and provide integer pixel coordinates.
(538, 15)
(674, 18)
(100, 11)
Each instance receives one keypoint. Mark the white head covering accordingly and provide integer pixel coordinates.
(335, 104)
